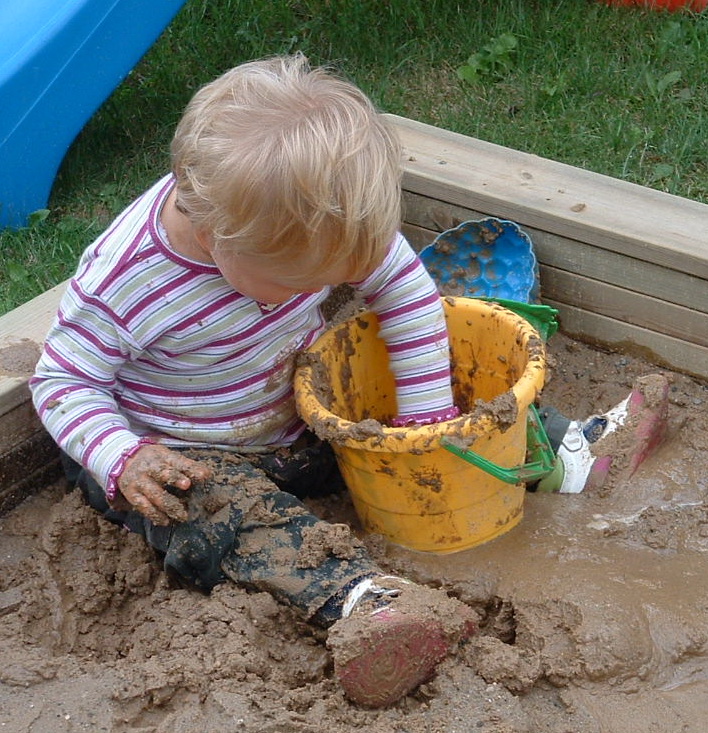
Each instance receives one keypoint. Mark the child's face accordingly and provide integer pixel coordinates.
(250, 277)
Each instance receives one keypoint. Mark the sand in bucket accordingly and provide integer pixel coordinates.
(404, 484)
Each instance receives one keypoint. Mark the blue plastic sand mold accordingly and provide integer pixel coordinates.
(490, 258)
(59, 60)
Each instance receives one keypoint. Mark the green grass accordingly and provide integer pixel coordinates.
(619, 91)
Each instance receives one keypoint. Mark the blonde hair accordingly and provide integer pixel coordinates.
(292, 164)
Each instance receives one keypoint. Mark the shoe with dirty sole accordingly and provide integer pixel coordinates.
(620, 439)
(392, 637)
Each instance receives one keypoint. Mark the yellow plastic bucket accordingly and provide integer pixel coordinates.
(404, 484)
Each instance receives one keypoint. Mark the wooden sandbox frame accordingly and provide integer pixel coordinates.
(626, 267)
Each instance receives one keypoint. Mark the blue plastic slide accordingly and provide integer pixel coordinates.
(59, 60)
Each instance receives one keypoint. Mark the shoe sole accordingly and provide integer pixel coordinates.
(396, 655)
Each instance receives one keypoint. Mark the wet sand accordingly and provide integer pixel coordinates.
(594, 611)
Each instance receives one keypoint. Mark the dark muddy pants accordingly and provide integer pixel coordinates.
(245, 524)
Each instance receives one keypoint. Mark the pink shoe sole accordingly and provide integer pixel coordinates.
(643, 431)
(649, 403)
(393, 654)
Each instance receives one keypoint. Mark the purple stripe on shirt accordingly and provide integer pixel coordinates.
(413, 344)
(392, 282)
(425, 378)
(404, 310)
(195, 392)
(96, 442)
(207, 311)
(89, 336)
(56, 396)
(126, 258)
(82, 418)
(115, 225)
(96, 304)
(140, 409)
(265, 322)
(70, 367)
(158, 204)
(154, 295)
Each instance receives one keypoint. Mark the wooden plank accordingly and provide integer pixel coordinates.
(657, 348)
(417, 236)
(29, 468)
(31, 320)
(614, 215)
(425, 218)
(434, 214)
(26, 458)
(624, 305)
(647, 278)
(13, 392)
(603, 296)
(22, 332)
(682, 347)
(19, 425)
(29, 458)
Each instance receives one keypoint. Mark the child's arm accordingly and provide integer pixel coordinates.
(407, 303)
(72, 391)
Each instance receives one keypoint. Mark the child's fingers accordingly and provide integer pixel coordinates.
(180, 471)
(153, 502)
(164, 466)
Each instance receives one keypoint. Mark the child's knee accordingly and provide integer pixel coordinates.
(194, 555)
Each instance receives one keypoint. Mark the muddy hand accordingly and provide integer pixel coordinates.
(146, 474)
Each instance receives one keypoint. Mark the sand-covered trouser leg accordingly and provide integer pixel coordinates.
(282, 548)
(242, 527)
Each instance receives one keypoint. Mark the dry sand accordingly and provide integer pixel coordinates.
(595, 611)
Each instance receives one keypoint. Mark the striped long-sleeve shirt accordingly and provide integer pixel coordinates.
(148, 345)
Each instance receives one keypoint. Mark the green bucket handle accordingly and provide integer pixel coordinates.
(541, 456)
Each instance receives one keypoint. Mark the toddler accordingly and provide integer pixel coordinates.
(170, 363)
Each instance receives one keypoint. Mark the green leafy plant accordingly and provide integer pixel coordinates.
(37, 217)
(660, 171)
(16, 272)
(659, 85)
(496, 58)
